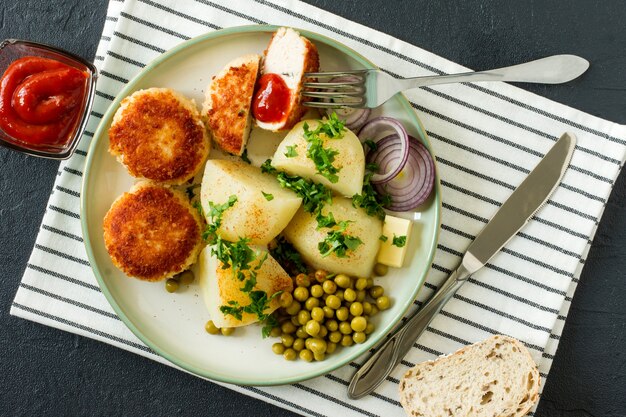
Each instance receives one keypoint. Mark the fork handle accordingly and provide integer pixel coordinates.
(554, 69)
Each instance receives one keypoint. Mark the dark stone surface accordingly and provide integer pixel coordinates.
(44, 371)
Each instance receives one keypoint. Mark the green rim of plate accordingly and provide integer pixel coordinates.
(356, 351)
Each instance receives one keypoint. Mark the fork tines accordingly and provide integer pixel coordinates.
(348, 85)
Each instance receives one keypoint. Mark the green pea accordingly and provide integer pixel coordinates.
(276, 332)
(376, 291)
(278, 348)
(335, 337)
(358, 324)
(374, 311)
(317, 291)
(301, 293)
(332, 325)
(369, 329)
(342, 314)
(319, 356)
(346, 340)
(303, 280)
(361, 284)
(301, 333)
(306, 355)
(343, 281)
(320, 275)
(370, 283)
(317, 314)
(186, 277)
(298, 344)
(318, 345)
(312, 327)
(323, 331)
(295, 321)
(333, 302)
(356, 309)
(171, 285)
(329, 313)
(383, 303)
(339, 294)
(290, 354)
(345, 328)
(329, 287)
(227, 331)
(330, 347)
(288, 327)
(285, 299)
(311, 303)
(359, 337)
(293, 308)
(349, 295)
(287, 340)
(303, 317)
(381, 269)
(367, 308)
(211, 328)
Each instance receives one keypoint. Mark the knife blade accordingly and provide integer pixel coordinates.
(512, 216)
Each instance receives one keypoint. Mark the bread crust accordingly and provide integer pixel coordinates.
(416, 382)
(152, 232)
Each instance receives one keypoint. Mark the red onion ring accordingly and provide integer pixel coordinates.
(415, 183)
(354, 118)
(372, 130)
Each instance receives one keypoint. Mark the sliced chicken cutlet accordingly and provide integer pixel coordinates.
(228, 100)
(287, 58)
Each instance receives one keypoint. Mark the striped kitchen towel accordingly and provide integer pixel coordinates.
(487, 137)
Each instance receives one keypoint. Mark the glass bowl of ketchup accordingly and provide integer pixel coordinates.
(46, 96)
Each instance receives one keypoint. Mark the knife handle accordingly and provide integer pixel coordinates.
(380, 364)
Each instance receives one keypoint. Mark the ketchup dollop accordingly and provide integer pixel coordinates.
(41, 99)
(271, 101)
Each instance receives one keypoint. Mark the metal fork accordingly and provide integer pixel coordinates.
(372, 87)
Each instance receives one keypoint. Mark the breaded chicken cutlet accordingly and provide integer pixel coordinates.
(152, 232)
(227, 104)
(289, 55)
(157, 134)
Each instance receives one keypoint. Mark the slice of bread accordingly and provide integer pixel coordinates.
(290, 56)
(493, 378)
(227, 104)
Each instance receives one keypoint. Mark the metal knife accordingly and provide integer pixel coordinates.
(531, 194)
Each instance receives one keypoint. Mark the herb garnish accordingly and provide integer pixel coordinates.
(313, 195)
(323, 158)
(244, 157)
(398, 241)
(291, 152)
(372, 202)
(325, 221)
(287, 256)
(383, 238)
(267, 168)
(268, 196)
(190, 190)
(339, 242)
(371, 144)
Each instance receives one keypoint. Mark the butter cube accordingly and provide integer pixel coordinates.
(390, 254)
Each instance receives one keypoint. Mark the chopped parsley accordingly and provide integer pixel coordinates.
(291, 152)
(287, 256)
(398, 241)
(383, 238)
(339, 242)
(268, 196)
(313, 195)
(190, 190)
(371, 144)
(267, 168)
(323, 158)
(270, 323)
(244, 157)
(325, 221)
(371, 201)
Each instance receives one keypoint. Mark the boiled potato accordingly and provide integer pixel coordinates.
(257, 216)
(304, 235)
(350, 159)
(219, 286)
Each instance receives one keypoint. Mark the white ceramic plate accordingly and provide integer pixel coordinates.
(173, 324)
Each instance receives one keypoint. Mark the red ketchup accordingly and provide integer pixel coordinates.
(40, 100)
(271, 101)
